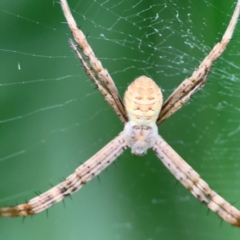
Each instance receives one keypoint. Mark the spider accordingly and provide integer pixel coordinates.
(141, 112)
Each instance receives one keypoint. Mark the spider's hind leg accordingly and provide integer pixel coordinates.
(198, 79)
(98, 74)
(108, 97)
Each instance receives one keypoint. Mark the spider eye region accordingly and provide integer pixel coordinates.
(143, 101)
(140, 138)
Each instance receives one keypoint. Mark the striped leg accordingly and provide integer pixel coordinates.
(83, 174)
(191, 180)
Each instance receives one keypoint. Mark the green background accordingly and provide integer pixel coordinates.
(52, 118)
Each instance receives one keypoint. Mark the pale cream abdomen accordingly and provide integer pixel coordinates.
(143, 101)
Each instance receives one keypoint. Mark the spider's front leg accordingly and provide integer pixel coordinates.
(191, 180)
(83, 174)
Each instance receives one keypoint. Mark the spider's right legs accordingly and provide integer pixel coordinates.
(191, 180)
(105, 79)
(191, 85)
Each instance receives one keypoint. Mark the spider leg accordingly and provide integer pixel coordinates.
(108, 97)
(191, 85)
(186, 98)
(104, 77)
(191, 180)
(83, 174)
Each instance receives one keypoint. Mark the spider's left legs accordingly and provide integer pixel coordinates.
(191, 85)
(83, 174)
(108, 97)
(193, 182)
(104, 77)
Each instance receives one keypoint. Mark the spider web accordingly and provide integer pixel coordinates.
(53, 118)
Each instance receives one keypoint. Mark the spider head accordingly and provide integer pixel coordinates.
(140, 138)
(143, 101)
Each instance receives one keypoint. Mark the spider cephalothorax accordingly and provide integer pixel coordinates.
(140, 138)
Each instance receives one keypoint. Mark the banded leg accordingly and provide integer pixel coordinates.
(108, 97)
(74, 182)
(191, 85)
(191, 180)
(103, 74)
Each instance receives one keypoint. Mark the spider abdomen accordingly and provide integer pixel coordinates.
(143, 101)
